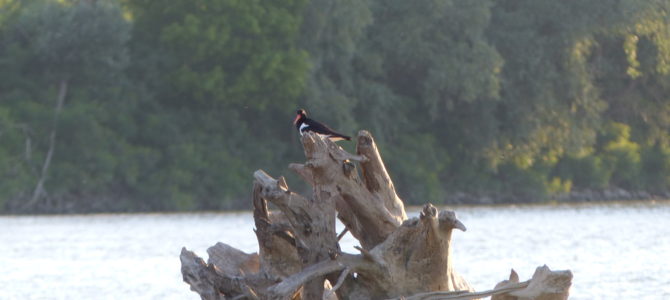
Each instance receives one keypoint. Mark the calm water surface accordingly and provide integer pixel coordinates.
(615, 251)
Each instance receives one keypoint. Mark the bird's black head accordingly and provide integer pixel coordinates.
(300, 114)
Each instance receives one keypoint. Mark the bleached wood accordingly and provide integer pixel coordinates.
(418, 254)
(465, 295)
(377, 179)
(299, 253)
(291, 284)
(546, 285)
(210, 282)
(513, 280)
(312, 220)
(340, 280)
(370, 211)
(276, 240)
(232, 261)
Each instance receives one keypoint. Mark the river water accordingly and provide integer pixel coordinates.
(615, 251)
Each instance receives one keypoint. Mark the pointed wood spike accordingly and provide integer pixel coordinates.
(281, 183)
(514, 277)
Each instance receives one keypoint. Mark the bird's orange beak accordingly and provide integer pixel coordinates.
(297, 117)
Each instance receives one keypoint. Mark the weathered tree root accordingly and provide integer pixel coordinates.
(299, 254)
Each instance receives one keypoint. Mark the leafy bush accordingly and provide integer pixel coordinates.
(655, 168)
(621, 156)
(583, 172)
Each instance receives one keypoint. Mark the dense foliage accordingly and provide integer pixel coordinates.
(137, 105)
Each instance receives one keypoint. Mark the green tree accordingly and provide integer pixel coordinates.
(53, 52)
(332, 32)
(217, 75)
(427, 69)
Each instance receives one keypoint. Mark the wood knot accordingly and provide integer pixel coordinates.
(333, 254)
(429, 211)
(364, 138)
(348, 167)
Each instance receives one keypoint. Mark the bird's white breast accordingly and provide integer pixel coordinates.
(303, 126)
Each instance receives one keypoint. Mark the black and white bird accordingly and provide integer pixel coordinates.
(304, 124)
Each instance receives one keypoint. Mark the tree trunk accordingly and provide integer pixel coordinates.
(299, 252)
(39, 188)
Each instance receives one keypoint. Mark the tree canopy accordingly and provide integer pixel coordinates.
(137, 105)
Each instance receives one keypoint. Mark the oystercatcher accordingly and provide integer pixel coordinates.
(303, 124)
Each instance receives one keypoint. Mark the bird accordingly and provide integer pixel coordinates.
(304, 124)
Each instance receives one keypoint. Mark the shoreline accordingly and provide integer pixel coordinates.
(600, 196)
(579, 196)
(409, 207)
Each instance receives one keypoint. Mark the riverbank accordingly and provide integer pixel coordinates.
(107, 205)
(578, 196)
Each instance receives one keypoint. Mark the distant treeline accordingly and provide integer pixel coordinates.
(140, 105)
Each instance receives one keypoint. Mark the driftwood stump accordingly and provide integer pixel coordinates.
(299, 255)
